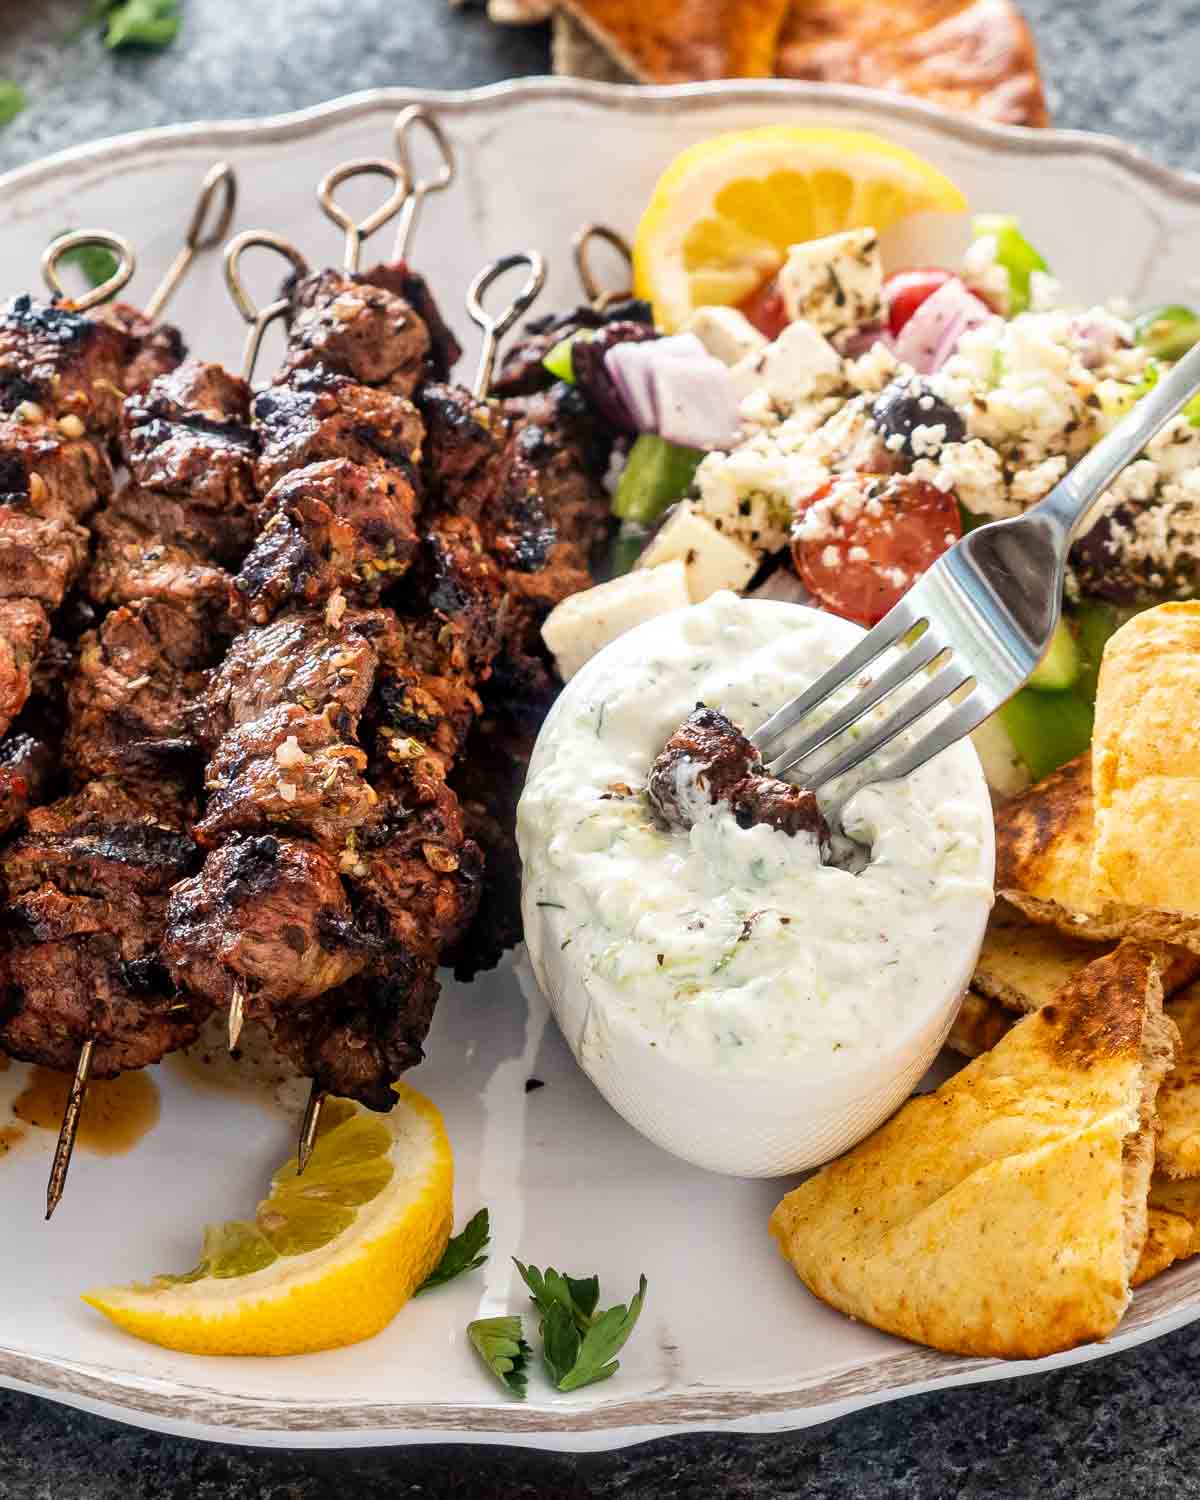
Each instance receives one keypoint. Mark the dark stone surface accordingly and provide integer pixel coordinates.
(1121, 1426)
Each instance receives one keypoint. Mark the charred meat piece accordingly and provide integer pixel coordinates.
(318, 660)
(51, 474)
(360, 329)
(357, 1040)
(522, 371)
(62, 363)
(24, 632)
(130, 704)
(319, 414)
(88, 886)
(709, 760)
(27, 771)
(40, 556)
(330, 526)
(135, 561)
(401, 280)
(290, 769)
(270, 914)
(155, 348)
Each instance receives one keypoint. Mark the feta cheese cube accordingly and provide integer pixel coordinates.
(798, 367)
(835, 283)
(713, 560)
(584, 623)
(725, 333)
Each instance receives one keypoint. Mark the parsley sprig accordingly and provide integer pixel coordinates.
(501, 1345)
(465, 1252)
(96, 262)
(135, 23)
(579, 1345)
(12, 100)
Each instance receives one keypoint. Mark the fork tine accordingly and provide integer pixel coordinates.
(919, 655)
(935, 691)
(967, 716)
(898, 621)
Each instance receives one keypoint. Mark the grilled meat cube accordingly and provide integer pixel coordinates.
(135, 561)
(131, 703)
(522, 371)
(414, 874)
(461, 597)
(270, 914)
(709, 760)
(24, 632)
(63, 363)
(329, 526)
(556, 450)
(300, 658)
(356, 1041)
(45, 471)
(27, 772)
(343, 323)
(189, 435)
(155, 348)
(40, 556)
(289, 769)
(319, 414)
(401, 280)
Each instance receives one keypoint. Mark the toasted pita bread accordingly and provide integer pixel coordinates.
(1179, 1099)
(680, 41)
(975, 55)
(979, 1025)
(1168, 1239)
(1005, 1213)
(1022, 964)
(1044, 840)
(1146, 763)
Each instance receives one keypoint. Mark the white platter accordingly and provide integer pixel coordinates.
(729, 1338)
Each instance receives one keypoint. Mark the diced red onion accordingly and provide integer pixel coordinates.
(1095, 338)
(674, 387)
(932, 333)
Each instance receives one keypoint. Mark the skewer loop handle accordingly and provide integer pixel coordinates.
(356, 233)
(495, 327)
(258, 319)
(220, 181)
(407, 122)
(582, 242)
(57, 248)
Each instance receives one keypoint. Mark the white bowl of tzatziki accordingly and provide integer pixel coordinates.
(741, 1003)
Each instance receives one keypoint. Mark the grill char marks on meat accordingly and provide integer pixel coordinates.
(24, 632)
(267, 912)
(87, 889)
(402, 281)
(331, 526)
(27, 771)
(363, 330)
(709, 760)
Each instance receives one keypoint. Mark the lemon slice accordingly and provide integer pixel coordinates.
(330, 1258)
(723, 214)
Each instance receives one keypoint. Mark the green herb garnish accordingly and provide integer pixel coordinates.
(12, 100)
(500, 1343)
(135, 23)
(579, 1345)
(465, 1252)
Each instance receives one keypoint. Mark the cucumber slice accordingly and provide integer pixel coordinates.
(1047, 729)
(1060, 667)
(1094, 623)
(1005, 771)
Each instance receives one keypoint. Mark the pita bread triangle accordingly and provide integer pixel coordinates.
(1004, 1213)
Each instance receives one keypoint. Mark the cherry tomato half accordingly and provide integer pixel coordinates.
(764, 308)
(904, 291)
(863, 540)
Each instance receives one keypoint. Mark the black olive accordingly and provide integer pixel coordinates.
(907, 404)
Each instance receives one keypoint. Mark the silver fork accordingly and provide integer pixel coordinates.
(977, 623)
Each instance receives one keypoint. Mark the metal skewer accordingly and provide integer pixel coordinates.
(495, 327)
(258, 319)
(220, 178)
(420, 188)
(582, 242)
(237, 1015)
(69, 1129)
(74, 240)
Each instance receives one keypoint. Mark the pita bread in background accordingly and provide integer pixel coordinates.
(1179, 1098)
(1044, 841)
(974, 55)
(1022, 964)
(1146, 763)
(1168, 1239)
(681, 41)
(1005, 1213)
(1180, 1200)
(979, 1025)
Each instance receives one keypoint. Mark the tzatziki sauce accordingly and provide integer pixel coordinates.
(735, 949)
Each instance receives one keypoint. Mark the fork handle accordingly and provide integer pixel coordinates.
(1071, 500)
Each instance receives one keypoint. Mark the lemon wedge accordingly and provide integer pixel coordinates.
(723, 214)
(330, 1257)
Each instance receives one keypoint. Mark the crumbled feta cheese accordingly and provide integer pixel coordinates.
(713, 559)
(797, 367)
(290, 753)
(982, 274)
(975, 474)
(873, 370)
(834, 283)
(751, 493)
(725, 333)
